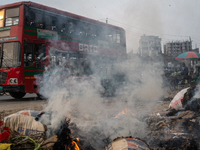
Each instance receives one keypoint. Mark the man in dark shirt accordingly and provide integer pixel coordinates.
(184, 70)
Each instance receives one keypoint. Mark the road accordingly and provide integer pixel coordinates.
(30, 102)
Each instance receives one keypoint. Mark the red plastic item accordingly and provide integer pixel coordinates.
(5, 134)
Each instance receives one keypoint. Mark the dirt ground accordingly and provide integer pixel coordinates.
(31, 102)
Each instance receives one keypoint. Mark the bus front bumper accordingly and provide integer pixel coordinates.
(19, 88)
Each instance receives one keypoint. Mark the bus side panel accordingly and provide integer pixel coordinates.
(31, 74)
(30, 85)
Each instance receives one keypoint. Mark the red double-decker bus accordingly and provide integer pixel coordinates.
(34, 37)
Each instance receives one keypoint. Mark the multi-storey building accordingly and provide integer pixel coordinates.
(150, 46)
(173, 49)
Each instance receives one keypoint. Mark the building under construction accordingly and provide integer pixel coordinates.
(173, 49)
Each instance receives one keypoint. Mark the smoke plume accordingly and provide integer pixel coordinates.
(104, 117)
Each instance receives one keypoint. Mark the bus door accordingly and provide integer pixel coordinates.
(34, 65)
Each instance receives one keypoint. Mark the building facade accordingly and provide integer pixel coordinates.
(173, 49)
(150, 46)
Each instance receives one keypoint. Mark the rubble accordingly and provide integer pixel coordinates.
(176, 128)
(26, 132)
(173, 128)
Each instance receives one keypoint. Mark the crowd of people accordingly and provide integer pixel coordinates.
(182, 76)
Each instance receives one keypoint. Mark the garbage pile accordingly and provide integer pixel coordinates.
(176, 128)
(179, 126)
(25, 130)
(22, 130)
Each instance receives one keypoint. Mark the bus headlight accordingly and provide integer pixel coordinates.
(13, 81)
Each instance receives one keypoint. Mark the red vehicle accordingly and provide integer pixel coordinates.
(34, 36)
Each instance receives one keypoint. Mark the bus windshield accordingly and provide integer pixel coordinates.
(10, 54)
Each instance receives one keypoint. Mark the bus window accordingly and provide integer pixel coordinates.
(26, 15)
(101, 33)
(54, 25)
(78, 29)
(118, 38)
(1, 17)
(39, 50)
(28, 54)
(32, 18)
(109, 38)
(90, 32)
(51, 22)
(11, 54)
(47, 21)
(12, 16)
(39, 20)
(63, 28)
(71, 28)
(59, 59)
(53, 60)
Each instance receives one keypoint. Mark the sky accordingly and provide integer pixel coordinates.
(170, 20)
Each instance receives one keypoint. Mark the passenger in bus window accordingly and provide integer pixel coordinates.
(39, 50)
(28, 54)
(32, 23)
(71, 28)
(32, 18)
(54, 23)
(66, 69)
(63, 28)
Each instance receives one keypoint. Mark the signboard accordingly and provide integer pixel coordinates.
(6, 28)
(10, 38)
(46, 34)
(87, 48)
(5, 33)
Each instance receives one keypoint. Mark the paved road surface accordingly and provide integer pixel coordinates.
(10, 105)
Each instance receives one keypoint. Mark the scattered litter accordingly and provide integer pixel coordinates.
(5, 146)
(4, 131)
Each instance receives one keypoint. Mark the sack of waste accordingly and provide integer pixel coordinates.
(127, 144)
(33, 113)
(176, 101)
(24, 124)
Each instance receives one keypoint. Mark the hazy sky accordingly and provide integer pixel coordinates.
(171, 20)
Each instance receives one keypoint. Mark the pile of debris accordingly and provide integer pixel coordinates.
(179, 126)
(176, 128)
(23, 131)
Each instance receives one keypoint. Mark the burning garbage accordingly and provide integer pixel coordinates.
(23, 131)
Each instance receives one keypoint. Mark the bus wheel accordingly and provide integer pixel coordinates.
(41, 96)
(17, 95)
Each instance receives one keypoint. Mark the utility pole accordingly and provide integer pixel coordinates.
(190, 44)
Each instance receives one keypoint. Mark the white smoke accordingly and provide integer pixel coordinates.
(101, 117)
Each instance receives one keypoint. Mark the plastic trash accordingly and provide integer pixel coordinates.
(24, 124)
(176, 101)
